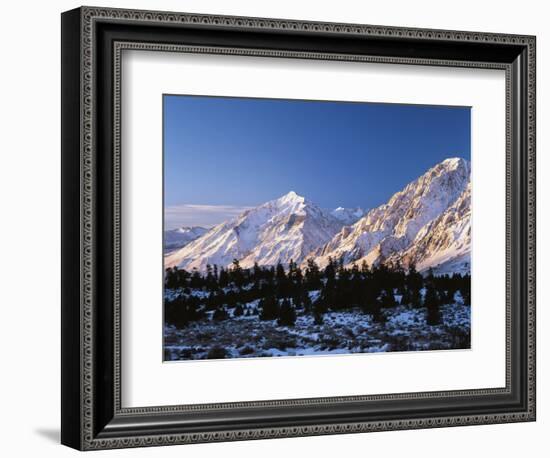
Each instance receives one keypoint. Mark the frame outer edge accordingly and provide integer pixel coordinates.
(88, 193)
(88, 16)
(532, 225)
(71, 306)
(308, 26)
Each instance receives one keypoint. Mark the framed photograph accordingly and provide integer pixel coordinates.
(261, 270)
(278, 228)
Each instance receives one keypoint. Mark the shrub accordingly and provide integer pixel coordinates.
(247, 350)
(238, 310)
(217, 353)
(220, 315)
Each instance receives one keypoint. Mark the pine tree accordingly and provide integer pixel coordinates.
(430, 276)
(182, 277)
(170, 278)
(287, 314)
(212, 301)
(270, 308)
(210, 280)
(466, 294)
(444, 289)
(312, 275)
(292, 267)
(196, 279)
(340, 269)
(376, 312)
(431, 302)
(318, 308)
(406, 297)
(387, 298)
(237, 273)
(330, 270)
(295, 279)
(224, 278)
(256, 273)
(280, 274)
(414, 283)
(369, 296)
(328, 294)
(216, 273)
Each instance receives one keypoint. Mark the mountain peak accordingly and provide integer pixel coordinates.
(453, 163)
(291, 196)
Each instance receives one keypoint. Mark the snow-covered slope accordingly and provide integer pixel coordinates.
(281, 230)
(178, 238)
(348, 216)
(444, 243)
(417, 222)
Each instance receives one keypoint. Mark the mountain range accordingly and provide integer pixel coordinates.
(177, 238)
(426, 223)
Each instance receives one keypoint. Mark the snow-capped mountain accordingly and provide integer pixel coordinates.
(280, 230)
(178, 238)
(444, 243)
(428, 223)
(348, 216)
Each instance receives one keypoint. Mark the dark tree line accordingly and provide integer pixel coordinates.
(281, 292)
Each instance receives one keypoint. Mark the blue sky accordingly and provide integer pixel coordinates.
(222, 155)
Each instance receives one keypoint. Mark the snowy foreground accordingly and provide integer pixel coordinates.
(402, 329)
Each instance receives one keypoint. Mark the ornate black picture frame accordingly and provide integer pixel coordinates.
(92, 42)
